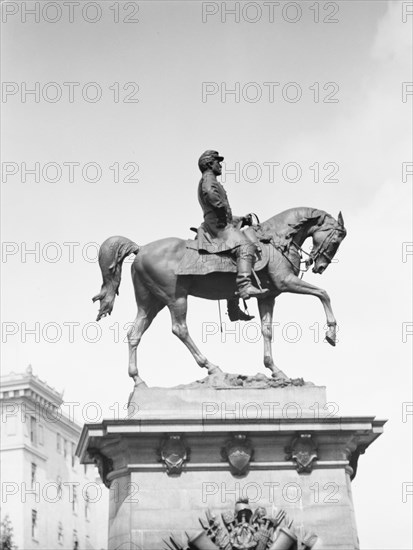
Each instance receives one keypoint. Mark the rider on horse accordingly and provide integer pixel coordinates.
(221, 231)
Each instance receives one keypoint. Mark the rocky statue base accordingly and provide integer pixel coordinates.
(238, 463)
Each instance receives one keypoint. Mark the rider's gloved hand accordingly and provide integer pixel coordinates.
(247, 220)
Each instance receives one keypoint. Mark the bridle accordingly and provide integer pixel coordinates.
(321, 250)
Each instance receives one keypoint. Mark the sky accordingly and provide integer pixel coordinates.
(116, 151)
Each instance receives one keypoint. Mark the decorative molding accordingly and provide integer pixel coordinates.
(238, 452)
(303, 452)
(221, 467)
(31, 449)
(174, 454)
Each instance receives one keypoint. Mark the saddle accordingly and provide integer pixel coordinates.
(200, 262)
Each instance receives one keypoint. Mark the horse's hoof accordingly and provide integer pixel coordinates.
(139, 383)
(331, 337)
(214, 369)
(217, 379)
(279, 375)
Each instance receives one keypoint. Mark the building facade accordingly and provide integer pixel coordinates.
(53, 502)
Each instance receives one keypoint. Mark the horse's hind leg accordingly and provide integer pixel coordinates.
(178, 311)
(147, 312)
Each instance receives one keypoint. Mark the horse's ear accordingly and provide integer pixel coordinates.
(340, 219)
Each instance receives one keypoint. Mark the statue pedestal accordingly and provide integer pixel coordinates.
(183, 451)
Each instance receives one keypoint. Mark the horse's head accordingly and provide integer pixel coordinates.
(326, 240)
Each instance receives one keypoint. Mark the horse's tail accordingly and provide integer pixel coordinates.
(111, 255)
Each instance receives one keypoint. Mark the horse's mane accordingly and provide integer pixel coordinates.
(288, 223)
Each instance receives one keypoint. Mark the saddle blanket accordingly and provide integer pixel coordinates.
(203, 263)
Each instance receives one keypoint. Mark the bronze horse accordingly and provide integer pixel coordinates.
(157, 285)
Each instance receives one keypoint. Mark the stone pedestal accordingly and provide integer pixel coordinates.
(183, 451)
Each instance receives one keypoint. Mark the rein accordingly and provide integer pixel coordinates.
(300, 251)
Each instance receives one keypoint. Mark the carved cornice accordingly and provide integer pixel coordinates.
(133, 445)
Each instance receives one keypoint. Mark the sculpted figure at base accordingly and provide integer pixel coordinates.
(218, 265)
(244, 529)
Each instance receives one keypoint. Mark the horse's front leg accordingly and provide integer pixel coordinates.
(266, 308)
(296, 285)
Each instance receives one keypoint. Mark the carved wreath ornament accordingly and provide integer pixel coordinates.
(303, 452)
(173, 453)
(245, 529)
(238, 451)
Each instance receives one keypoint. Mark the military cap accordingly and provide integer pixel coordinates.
(208, 156)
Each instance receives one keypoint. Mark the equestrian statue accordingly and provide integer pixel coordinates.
(231, 258)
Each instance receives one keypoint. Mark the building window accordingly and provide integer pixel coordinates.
(73, 449)
(75, 540)
(74, 502)
(11, 425)
(87, 507)
(33, 476)
(58, 443)
(41, 435)
(59, 486)
(65, 448)
(60, 532)
(33, 430)
(34, 524)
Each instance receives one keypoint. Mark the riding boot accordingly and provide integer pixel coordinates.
(235, 313)
(245, 262)
(252, 236)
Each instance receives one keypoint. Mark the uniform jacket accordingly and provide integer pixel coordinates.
(217, 233)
